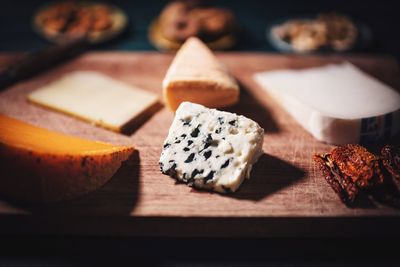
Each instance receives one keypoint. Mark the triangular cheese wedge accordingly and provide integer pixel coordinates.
(196, 75)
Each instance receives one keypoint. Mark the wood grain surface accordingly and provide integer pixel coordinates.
(285, 196)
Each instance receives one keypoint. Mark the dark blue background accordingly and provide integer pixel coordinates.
(254, 16)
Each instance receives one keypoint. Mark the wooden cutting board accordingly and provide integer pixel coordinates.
(286, 195)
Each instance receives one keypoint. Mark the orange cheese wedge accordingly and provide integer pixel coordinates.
(39, 165)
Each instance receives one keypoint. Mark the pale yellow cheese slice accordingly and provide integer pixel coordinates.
(195, 75)
(98, 99)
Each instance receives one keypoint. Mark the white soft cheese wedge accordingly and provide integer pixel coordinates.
(97, 98)
(211, 149)
(337, 104)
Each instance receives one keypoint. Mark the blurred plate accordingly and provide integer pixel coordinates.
(157, 39)
(118, 17)
(363, 40)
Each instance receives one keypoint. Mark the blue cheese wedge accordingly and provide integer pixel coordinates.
(211, 149)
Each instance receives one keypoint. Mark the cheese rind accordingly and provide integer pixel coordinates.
(195, 75)
(337, 104)
(39, 165)
(97, 98)
(211, 149)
